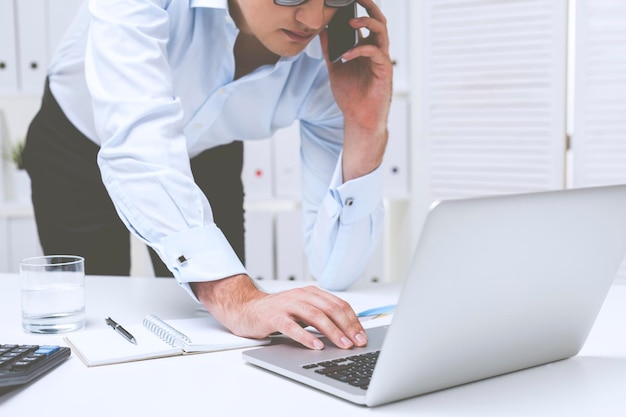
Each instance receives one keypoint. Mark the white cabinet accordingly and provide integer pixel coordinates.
(32, 46)
(290, 259)
(8, 48)
(30, 31)
(259, 244)
(396, 165)
(18, 237)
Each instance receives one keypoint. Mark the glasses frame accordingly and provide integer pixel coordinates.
(326, 3)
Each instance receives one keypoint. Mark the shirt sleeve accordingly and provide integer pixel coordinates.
(342, 221)
(143, 158)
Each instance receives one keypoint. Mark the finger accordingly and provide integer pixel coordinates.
(371, 52)
(373, 10)
(293, 330)
(307, 305)
(343, 335)
(330, 315)
(378, 32)
(318, 319)
(337, 321)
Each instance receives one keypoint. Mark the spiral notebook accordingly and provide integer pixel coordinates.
(156, 338)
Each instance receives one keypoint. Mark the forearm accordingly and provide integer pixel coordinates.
(363, 149)
(362, 87)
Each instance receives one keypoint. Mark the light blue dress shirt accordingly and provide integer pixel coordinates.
(151, 82)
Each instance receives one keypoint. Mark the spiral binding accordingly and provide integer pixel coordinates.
(164, 331)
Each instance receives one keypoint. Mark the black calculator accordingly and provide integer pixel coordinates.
(20, 364)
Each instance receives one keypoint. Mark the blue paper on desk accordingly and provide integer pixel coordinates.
(371, 318)
(377, 316)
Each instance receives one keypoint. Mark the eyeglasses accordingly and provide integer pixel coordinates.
(327, 3)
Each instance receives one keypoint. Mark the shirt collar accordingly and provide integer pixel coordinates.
(314, 49)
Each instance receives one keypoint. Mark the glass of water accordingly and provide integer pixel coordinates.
(53, 293)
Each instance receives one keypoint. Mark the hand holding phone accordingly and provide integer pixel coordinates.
(341, 36)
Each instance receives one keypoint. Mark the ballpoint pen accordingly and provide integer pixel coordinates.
(125, 334)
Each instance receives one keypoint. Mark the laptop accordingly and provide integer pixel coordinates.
(496, 285)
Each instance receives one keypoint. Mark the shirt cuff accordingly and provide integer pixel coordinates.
(200, 254)
(356, 198)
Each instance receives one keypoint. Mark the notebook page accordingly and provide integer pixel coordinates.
(106, 346)
(207, 334)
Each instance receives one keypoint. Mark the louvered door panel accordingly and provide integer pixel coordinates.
(490, 102)
(599, 137)
(599, 140)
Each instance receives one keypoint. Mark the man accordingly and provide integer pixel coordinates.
(161, 93)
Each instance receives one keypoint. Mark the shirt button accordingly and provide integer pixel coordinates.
(349, 201)
(197, 126)
(222, 91)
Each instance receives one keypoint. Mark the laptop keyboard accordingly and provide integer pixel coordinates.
(20, 364)
(355, 370)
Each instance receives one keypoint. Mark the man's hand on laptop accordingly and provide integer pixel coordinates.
(249, 312)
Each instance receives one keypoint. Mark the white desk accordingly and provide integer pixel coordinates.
(221, 384)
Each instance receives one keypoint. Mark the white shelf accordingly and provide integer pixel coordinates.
(16, 210)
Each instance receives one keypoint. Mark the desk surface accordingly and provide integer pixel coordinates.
(222, 384)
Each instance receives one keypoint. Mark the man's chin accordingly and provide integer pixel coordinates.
(289, 52)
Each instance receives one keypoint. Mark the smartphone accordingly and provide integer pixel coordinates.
(341, 36)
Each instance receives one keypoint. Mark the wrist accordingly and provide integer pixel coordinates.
(225, 296)
(363, 151)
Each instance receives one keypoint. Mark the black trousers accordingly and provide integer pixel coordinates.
(74, 213)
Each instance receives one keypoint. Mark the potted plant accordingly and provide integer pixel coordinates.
(15, 154)
(19, 186)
